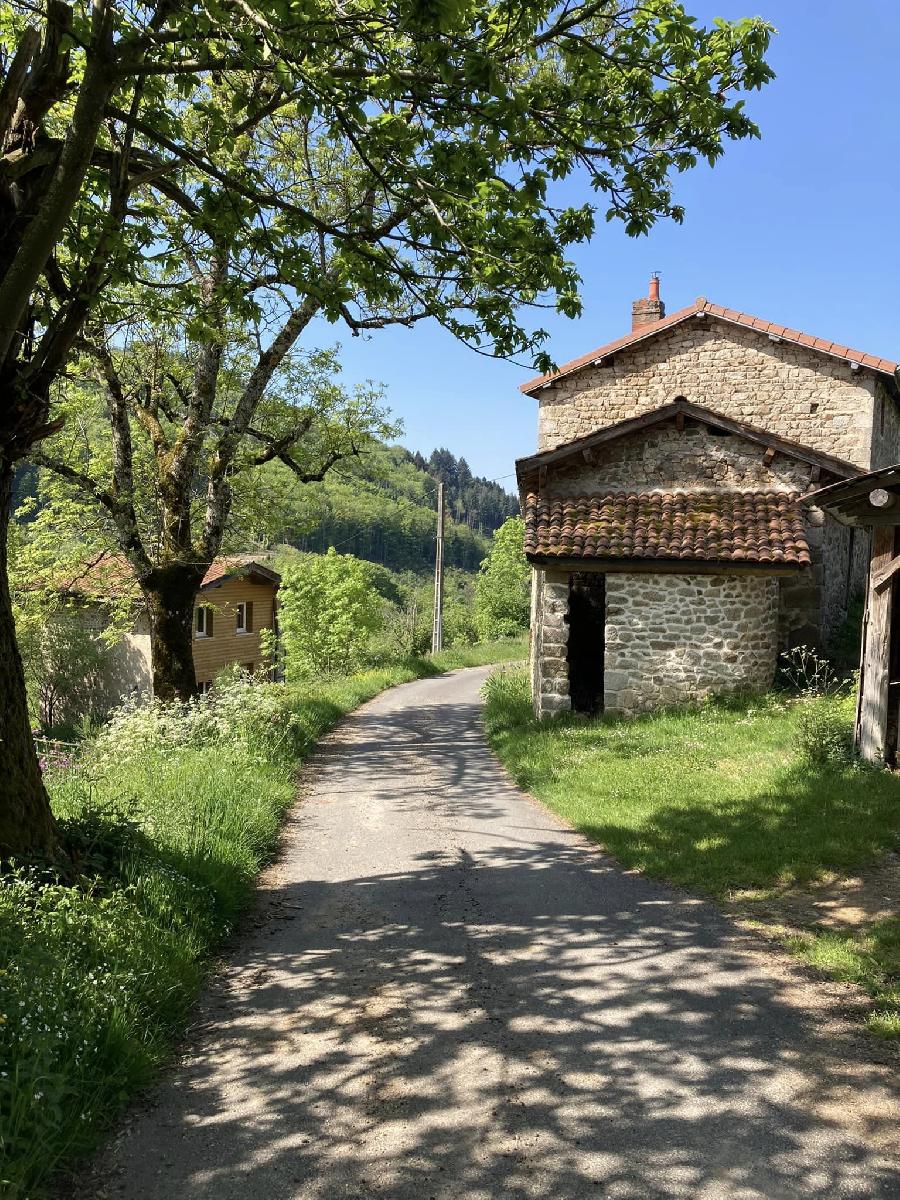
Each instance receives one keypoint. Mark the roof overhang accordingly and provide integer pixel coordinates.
(661, 566)
(703, 309)
(868, 500)
(253, 572)
(684, 409)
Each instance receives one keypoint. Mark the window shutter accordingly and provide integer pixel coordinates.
(248, 616)
(209, 622)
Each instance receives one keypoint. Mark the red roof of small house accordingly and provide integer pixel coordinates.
(745, 528)
(238, 567)
(110, 576)
(701, 308)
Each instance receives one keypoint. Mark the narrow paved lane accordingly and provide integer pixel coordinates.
(447, 994)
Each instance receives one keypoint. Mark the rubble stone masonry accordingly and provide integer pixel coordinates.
(677, 638)
(663, 458)
(791, 391)
(670, 639)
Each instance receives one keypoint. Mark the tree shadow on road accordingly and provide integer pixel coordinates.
(510, 1015)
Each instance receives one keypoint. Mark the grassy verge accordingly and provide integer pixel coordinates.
(168, 820)
(717, 799)
(869, 957)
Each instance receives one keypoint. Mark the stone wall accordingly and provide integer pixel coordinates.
(677, 638)
(549, 642)
(662, 457)
(670, 638)
(787, 389)
(886, 427)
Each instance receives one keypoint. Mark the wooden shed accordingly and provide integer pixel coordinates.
(872, 502)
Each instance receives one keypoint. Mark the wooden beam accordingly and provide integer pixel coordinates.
(660, 566)
(873, 709)
(679, 422)
(885, 574)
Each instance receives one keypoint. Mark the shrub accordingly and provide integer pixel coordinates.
(329, 608)
(824, 730)
(241, 713)
(503, 586)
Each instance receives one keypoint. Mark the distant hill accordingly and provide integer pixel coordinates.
(382, 508)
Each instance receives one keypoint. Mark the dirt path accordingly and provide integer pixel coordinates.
(448, 994)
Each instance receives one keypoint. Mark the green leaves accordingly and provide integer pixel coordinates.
(328, 608)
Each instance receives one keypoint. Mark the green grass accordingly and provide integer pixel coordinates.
(100, 961)
(869, 957)
(482, 654)
(717, 799)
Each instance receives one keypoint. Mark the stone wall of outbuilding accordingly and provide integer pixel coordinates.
(549, 642)
(787, 389)
(663, 457)
(671, 639)
(885, 427)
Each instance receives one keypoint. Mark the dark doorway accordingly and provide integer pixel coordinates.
(587, 637)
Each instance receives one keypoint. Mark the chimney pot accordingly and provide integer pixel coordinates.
(648, 311)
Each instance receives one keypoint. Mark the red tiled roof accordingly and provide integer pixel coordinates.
(110, 576)
(728, 527)
(228, 568)
(702, 305)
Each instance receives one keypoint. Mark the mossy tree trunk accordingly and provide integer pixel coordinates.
(170, 593)
(26, 821)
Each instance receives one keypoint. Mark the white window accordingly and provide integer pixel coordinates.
(245, 617)
(203, 626)
(205, 687)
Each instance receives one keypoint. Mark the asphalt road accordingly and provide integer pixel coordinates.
(446, 993)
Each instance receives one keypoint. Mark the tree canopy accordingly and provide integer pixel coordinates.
(502, 589)
(255, 165)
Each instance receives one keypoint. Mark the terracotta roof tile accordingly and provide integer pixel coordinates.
(873, 362)
(110, 576)
(728, 527)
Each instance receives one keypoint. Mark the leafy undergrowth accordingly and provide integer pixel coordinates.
(168, 819)
(716, 798)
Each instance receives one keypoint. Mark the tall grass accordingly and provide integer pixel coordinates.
(167, 821)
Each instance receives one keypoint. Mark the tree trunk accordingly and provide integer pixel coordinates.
(26, 822)
(170, 593)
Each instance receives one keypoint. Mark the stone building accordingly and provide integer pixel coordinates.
(673, 553)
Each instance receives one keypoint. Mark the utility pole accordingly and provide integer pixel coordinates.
(437, 627)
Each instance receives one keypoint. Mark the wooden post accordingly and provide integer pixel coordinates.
(437, 626)
(874, 680)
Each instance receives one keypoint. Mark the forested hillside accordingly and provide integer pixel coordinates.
(382, 508)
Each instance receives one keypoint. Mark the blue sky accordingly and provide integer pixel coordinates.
(801, 227)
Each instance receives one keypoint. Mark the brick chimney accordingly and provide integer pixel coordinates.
(649, 310)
